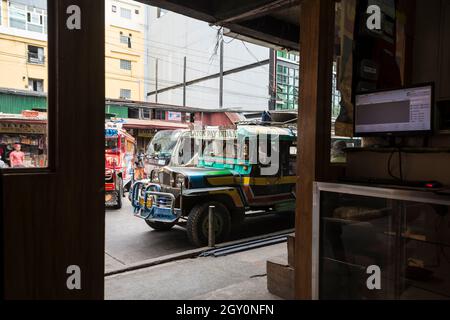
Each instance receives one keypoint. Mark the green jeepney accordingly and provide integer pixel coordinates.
(250, 167)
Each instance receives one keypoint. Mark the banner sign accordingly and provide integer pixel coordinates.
(174, 116)
(146, 133)
(22, 128)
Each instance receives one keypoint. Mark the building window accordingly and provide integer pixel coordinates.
(36, 85)
(287, 87)
(125, 13)
(160, 115)
(125, 94)
(146, 114)
(36, 55)
(125, 64)
(114, 9)
(27, 18)
(125, 39)
(136, 12)
(161, 12)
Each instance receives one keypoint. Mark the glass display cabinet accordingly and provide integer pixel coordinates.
(404, 233)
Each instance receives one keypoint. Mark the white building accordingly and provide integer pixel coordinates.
(172, 37)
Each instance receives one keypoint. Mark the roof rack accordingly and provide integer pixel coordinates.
(290, 123)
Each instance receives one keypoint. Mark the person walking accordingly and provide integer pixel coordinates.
(17, 157)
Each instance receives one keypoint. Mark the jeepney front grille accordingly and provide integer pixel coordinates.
(163, 202)
(164, 178)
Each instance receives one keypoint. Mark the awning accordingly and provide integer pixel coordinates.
(153, 124)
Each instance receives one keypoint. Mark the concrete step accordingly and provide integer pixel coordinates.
(280, 273)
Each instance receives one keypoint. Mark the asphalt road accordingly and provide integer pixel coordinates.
(129, 239)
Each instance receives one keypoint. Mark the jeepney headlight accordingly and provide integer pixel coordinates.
(155, 176)
(149, 203)
(180, 181)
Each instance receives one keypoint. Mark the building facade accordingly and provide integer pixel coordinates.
(147, 51)
(125, 49)
(23, 45)
(285, 81)
(173, 39)
(23, 50)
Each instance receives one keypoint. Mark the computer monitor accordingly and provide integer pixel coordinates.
(395, 112)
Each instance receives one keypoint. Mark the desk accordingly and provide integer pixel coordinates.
(418, 164)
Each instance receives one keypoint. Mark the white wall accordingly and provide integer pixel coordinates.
(174, 36)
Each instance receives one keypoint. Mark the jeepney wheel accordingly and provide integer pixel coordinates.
(119, 195)
(198, 223)
(160, 226)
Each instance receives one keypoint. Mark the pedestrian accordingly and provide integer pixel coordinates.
(139, 172)
(17, 157)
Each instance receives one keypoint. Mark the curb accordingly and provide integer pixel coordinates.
(184, 255)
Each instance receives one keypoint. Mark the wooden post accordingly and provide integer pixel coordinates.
(316, 55)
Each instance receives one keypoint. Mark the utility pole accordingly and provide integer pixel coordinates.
(184, 82)
(221, 71)
(156, 80)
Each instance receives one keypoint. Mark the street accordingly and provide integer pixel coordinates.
(129, 240)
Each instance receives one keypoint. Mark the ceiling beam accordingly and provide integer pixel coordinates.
(269, 29)
(258, 11)
(252, 24)
(197, 9)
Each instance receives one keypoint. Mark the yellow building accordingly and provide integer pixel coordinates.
(125, 42)
(23, 47)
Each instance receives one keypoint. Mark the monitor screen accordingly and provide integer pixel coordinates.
(407, 110)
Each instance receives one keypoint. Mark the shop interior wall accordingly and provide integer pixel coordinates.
(429, 62)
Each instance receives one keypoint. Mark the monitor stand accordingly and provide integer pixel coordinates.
(394, 142)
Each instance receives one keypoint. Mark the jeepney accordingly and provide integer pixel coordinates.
(120, 151)
(160, 149)
(251, 167)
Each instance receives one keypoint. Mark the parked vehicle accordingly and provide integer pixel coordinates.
(160, 149)
(228, 176)
(120, 151)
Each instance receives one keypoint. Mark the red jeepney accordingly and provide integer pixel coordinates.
(120, 152)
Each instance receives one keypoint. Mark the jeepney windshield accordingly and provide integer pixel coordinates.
(221, 150)
(111, 144)
(163, 142)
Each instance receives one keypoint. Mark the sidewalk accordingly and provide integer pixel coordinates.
(240, 276)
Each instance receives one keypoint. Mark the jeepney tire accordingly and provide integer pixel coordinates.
(197, 217)
(160, 226)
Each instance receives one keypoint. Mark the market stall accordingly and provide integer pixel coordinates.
(29, 130)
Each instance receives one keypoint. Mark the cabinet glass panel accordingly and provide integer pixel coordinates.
(407, 242)
(425, 244)
(356, 232)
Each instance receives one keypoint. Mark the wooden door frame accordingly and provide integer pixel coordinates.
(54, 218)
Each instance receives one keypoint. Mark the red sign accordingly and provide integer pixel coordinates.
(30, 114)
